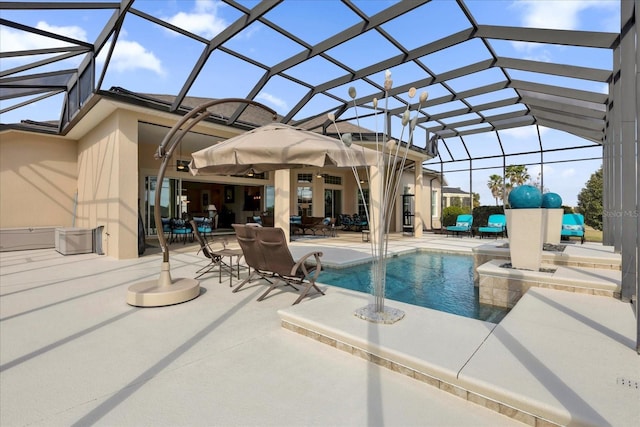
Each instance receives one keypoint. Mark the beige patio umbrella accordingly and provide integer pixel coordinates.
(278, 146)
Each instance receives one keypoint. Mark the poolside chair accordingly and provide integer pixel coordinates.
(359, 222)
(463, 225)
(279, 261)
(345, 221)
(328, 227)
(572, 225)
(215, 256)
(266, 251)
(311, 223)
(496, 224)
(246, 235)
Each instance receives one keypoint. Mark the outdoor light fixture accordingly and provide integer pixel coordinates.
(182, 166)
(179, 161)
(250, 173)
(318, 175)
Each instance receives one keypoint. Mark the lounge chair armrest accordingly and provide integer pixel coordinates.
(301, 265)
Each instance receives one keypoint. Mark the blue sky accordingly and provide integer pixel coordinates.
(151, 59)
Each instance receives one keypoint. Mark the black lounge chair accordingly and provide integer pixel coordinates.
(216, 256)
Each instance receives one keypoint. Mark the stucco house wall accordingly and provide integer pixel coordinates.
(38, 180)
(107, 177)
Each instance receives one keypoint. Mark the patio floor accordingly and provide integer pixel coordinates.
(72, 352)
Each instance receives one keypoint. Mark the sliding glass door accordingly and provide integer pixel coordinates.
(332, 203)
(169, 207)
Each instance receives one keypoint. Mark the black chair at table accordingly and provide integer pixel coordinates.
(181, 229)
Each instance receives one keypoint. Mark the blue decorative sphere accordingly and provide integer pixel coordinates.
(551, 201)
(525, 197)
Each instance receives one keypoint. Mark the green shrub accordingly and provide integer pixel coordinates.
(450, 214)
(481, 214)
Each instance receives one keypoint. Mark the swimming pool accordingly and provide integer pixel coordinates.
(438, 281)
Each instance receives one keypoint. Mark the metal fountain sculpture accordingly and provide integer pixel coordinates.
(165, 290)
(391, 162)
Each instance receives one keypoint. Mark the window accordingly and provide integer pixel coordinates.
(331, 179)
(305, 177)
(305, 197)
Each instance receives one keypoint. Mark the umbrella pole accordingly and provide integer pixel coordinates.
(164, 290)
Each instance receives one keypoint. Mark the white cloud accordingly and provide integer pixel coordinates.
(14, 40)
(553, 14)
(543, 56)
(279, 103)
(523, 132)
(567, 173)
(534, 170)
(129, 56)
(202, 20)
(71, 31)
(561, 15)
(533, 51)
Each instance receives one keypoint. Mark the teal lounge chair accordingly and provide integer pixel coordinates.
(463, 225)
(496, 224)
(573, 225)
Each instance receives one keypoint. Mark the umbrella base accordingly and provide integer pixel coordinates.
(154, 294)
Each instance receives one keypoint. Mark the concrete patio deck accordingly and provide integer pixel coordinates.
(72, 352)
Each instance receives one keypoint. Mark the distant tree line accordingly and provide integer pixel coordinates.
(514, 175)
(589, 198)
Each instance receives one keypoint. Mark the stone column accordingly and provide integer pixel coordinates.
(553, 225)
(526, 232)
(281, 210)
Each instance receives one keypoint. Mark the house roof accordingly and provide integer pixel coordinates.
(454, 190)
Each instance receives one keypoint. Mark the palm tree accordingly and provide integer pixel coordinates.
(515, 175)
(495, 185)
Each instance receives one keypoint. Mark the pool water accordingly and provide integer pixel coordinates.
(438, 281)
